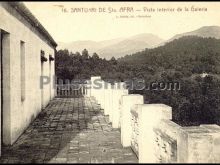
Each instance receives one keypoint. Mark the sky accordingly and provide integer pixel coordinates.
(165, 21)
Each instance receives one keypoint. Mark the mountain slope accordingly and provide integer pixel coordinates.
(78, 46)
(186, 54)
(130, 45)
(116, 47)
(205, 31)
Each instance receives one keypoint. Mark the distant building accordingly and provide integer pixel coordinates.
(27, 53)
(203, 75)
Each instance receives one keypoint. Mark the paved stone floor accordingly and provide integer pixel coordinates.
(69, 130)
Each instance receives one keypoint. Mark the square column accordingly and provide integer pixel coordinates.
(128, 101)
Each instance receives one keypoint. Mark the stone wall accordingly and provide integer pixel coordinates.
(149, 130)
(165, 142)
(202, 144)
(135, 130)
(18, 112)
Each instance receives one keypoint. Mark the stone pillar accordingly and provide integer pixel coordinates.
(86, 91)
(166, 135)
(110, 108)
(127, 102)
(124, 92)
(102, 95)
(88, 88)
(106, 98)
(118, 91)
(149, 117)
(200, 144)
(94, 90)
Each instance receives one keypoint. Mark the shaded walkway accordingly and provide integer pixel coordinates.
(69, 130)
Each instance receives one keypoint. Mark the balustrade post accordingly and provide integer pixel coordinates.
(128, 101)
(110, 101)
(106, 98)
(118, 91)
(88, 88)
(102, 95)
(94, 90)
(149, 116)
(125, 92)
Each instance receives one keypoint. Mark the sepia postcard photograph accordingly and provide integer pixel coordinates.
(109, 82)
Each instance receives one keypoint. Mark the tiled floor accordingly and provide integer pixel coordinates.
(69, 130)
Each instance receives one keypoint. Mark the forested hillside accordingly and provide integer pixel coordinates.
(187, 55)
(81, 65)
(181, 60)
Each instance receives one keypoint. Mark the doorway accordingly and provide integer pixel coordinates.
(50, 77)
(4, 52)
(1, 91)
(43, 59)
(42, 90)
(5, 88)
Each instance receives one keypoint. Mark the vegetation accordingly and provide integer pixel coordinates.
(82, 66)
(181, 60)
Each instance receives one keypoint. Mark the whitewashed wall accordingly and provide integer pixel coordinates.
(17, 115)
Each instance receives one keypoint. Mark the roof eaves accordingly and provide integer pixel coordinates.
(25, 12)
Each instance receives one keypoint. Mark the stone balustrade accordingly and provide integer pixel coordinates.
(149, 130)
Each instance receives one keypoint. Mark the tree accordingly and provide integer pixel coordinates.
(113, 61)
(85, 54)
(95, 56)
(78, 54)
